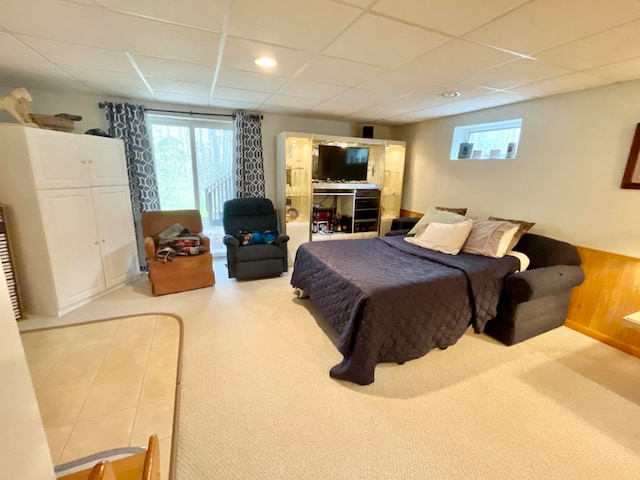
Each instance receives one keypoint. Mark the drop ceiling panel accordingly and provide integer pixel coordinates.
(205, 14)
(544, 24)
(513, 74)
(398, 82)
(233, 104)
(173, 70)
(335, 108)
(96, 77)
(486, 101)
(307, 25)
(175, 86)
(621, 71)
(381, 41)
(413, 101)
(338, 71)
(79, 55)
(360, 3)
(567, 83)
(43, 81)
(290, 102)
(239, 54)
(260, 82)
(240, 95)
(158, 39)
(317, 90)
(364, 98)
(615, 45)
(456, 60)
(374, 114)
(453, 17)
(181, 99)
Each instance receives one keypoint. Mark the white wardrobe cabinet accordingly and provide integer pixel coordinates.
(69, 198)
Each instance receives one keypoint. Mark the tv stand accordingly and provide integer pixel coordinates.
(345, 209)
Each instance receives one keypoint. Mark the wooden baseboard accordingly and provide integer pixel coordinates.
(620, 345)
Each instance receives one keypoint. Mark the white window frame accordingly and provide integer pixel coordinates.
(462, 133)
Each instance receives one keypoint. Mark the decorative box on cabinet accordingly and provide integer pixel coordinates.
(74, 226)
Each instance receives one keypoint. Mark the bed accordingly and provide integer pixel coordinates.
(392, 301)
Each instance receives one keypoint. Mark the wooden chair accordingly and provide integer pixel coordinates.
(140, 466)
(184, 272)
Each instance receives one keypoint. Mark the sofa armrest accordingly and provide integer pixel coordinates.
(230, 241)
(403, 223)
(539, 282)
(205, 241)
(281, 240)
(397, 233)
(149, 248)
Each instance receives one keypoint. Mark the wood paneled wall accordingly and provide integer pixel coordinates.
(610, 291)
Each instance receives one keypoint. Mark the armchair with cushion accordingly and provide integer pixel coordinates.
(242, 216)
(183, 272)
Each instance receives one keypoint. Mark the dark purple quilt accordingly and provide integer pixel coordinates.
(391, 301)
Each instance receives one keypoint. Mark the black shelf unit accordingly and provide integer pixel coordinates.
(366, 211)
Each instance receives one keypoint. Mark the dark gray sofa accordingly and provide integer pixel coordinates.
(536, 300)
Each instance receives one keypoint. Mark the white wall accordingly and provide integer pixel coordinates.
(87, 106)
(566, 177)
(25, 453)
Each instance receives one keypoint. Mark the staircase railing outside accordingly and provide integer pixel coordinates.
(215, 196)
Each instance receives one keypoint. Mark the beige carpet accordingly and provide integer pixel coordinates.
(257, 401)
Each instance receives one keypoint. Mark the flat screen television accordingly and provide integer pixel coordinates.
(336, 163)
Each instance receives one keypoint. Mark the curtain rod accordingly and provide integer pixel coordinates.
(232, 115)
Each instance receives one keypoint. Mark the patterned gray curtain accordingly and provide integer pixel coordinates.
(248, 161)
(128, 122)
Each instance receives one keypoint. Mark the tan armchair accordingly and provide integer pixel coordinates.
(184, 272)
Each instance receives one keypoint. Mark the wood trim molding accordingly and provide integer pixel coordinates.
(610, 291)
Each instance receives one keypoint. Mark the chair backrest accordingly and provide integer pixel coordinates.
(157, 222)
(249, 214)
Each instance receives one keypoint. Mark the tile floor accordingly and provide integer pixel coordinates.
(106, 384)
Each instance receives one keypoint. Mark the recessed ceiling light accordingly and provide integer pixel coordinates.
(266, 62)
(450, 94)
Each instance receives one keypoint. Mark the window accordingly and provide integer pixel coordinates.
(193, 160)
(493, 140)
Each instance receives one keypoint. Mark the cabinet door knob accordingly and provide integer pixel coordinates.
(95, 243)
(84, 161)
(103, 241)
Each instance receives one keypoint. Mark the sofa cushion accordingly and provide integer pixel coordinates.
(435, 215)
(252, 253)
(524, 228)
(489, 238)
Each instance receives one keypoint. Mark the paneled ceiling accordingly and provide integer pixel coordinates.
(369, 61)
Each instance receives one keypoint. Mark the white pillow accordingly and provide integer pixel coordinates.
(435, 215)
(524, 259)
(490, 238)
(443, 237)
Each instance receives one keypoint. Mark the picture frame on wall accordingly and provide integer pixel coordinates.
(631, 177)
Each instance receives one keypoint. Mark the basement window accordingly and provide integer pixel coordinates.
(486, 141)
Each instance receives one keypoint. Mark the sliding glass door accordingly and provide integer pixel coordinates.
(194, 163)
